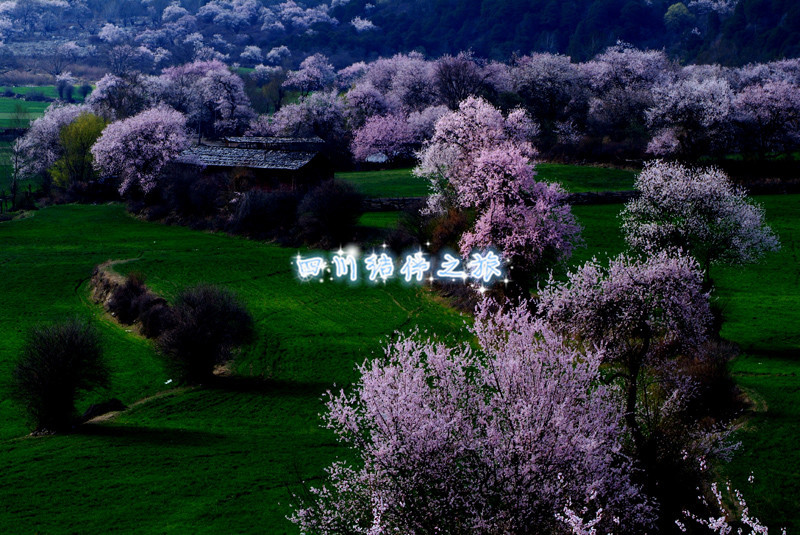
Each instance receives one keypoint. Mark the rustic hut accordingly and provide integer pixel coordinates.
(263, 162)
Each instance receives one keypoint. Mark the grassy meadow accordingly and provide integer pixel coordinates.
(216, 459)
(227, 457)
(574, 178)
(18, 113)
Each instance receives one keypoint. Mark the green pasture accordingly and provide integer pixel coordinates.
(227, 457)
(48, 91)
(221, 459)
(574, 178)
(18, 113)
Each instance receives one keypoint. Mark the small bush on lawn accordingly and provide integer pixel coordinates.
(209, 323)
(57, 362)
(328, 214)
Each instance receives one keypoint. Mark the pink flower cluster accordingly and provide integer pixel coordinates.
(136, 149)
(497, 440)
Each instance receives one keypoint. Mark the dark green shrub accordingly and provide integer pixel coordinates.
(209, 323)
(155, 318)
(123, 301)
(191, 195)
(263, 214)
(328, 214)
(57, 362)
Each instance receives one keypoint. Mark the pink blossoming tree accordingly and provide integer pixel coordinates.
(498, 440)
(480, 160)
(315, 73)
(41, 145)
(651, 316)
(769, 116)
(639, 310)
(390, 135)
(135, 150)
(698, 210)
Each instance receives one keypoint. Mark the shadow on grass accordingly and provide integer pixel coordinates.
(161, 436)
(271, 387)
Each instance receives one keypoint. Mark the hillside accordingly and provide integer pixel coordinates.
(730, 32)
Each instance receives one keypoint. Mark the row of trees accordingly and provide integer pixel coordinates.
(596, 406)
(624, 102)
(168, 32)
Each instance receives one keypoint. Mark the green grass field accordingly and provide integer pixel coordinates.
(219, 459)
(389, 183)
(226, 458)
(28, 111)
(402, 183)
(380, 220)
(48, 91)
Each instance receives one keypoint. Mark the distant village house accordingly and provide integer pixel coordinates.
(268, 163)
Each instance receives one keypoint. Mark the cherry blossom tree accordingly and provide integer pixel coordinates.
(769, 115)
(290, 13)
(698, 210)
(724, 523)
(413, 83)
(320, 114)
(112, 34)
(449, 159)
(547, 84)
(365, 101)
(252, 54)
(116, 98)
(480, 160)
(640, 311)
(362, 25)
(210, 95)
(347, 77)
(64, 54)
(621, 80)
(277, 54)
(389, 135)
(458, 77)
(41, 145)
(698, 112)
(423, 123)
(497, 440)
(315, 73)
(173, 12)
(135, 150)
(125, 61)
(222, 93)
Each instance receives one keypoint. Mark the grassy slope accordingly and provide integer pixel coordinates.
(401, 183)
(218, 460)
(221, 459)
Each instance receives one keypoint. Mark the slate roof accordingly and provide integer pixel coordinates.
(219, 156)
(267, 141)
